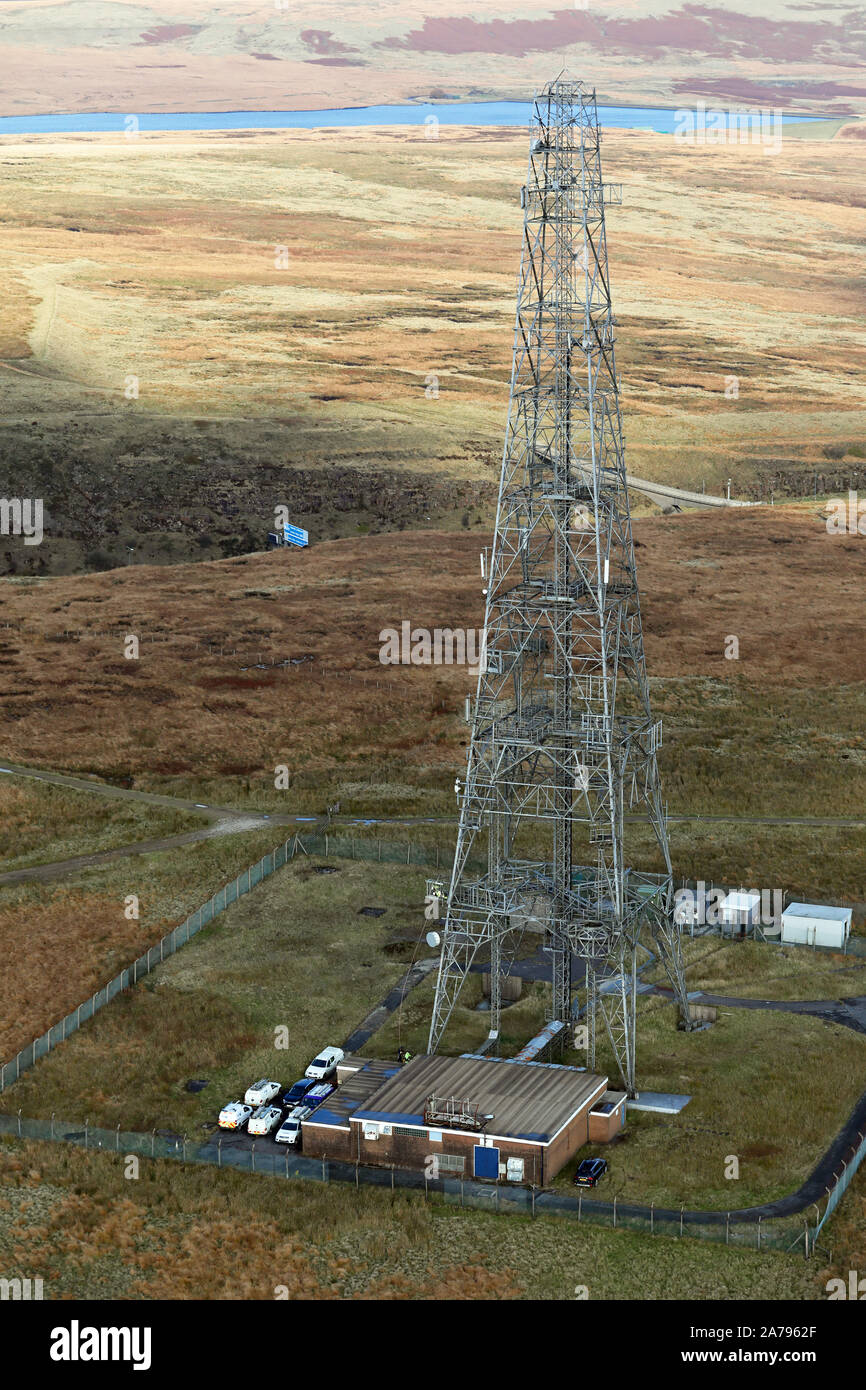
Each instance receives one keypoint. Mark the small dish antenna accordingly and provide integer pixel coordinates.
(433, 938)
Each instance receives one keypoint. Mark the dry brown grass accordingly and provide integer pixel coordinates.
(73, 1219)
(181, 709)
(60, 944)
(184, 55)
(156, 257)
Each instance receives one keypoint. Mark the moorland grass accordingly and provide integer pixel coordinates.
(41, 823)
(60, 942)
(75, 1220)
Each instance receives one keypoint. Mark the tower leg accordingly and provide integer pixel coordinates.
(618, 1009)
(495, 989)
(459, 949)
(561, 974)
(668, 944)
(591, 1014)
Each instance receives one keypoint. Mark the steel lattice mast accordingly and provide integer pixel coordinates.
(563, 739)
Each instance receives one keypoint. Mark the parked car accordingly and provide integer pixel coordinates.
(234, 1115)
(289, 1131)
(295, 1094)
(317, 1093)
(266, 1118)
(323, 1067)
(262, 1093)
(589, 1171)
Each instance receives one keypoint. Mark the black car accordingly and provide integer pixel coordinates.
(589, 1172)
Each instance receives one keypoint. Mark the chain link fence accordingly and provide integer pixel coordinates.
(348, 847)
(269, 1160)
(841, 1180)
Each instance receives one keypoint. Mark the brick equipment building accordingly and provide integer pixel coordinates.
(483, 1117)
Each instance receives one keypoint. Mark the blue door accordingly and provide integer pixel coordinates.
(486, 1162)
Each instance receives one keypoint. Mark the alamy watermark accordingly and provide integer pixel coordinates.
(696, 907)
(443, 646)
(700, 125)
(22, 516)
(846, 517)
(23, 1290)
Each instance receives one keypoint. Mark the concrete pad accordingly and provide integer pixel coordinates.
(662, 1102)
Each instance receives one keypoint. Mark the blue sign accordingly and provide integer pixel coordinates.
(294, 535)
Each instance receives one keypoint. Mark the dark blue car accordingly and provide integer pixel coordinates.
(589, 1172)
(296, 1093)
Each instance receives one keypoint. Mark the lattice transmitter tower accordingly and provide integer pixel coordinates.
(563, 740)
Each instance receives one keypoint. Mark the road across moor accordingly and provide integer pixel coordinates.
(234, 819)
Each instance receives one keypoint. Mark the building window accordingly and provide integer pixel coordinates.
(410, 1133)
(451, 1163)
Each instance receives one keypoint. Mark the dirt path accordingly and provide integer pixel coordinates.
(62, 868)
(62, 779)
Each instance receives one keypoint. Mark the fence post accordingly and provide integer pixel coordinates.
(652, 1218)
(614, 1213)
(760, 1219)
(392, 1180)
(117, 1140)
(152, 1142)
(184, 1148)
(19, 1123)
(357, 1181)
(52, 1124)
(727, 1228)
(86, 1123)
(220, 1155)
(461, 1192)
(253, 1159)
(682, 1209)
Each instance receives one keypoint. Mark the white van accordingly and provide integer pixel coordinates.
(323, 1067)
(234, 1115)
(262, 1093)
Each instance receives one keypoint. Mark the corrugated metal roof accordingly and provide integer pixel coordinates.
(527, 1101)
(355, 1091)
(540, 1041)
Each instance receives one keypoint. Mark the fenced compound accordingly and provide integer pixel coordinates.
(267, 1160)
(797, 1231)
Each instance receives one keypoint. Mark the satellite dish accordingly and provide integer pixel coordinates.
(433, 938)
